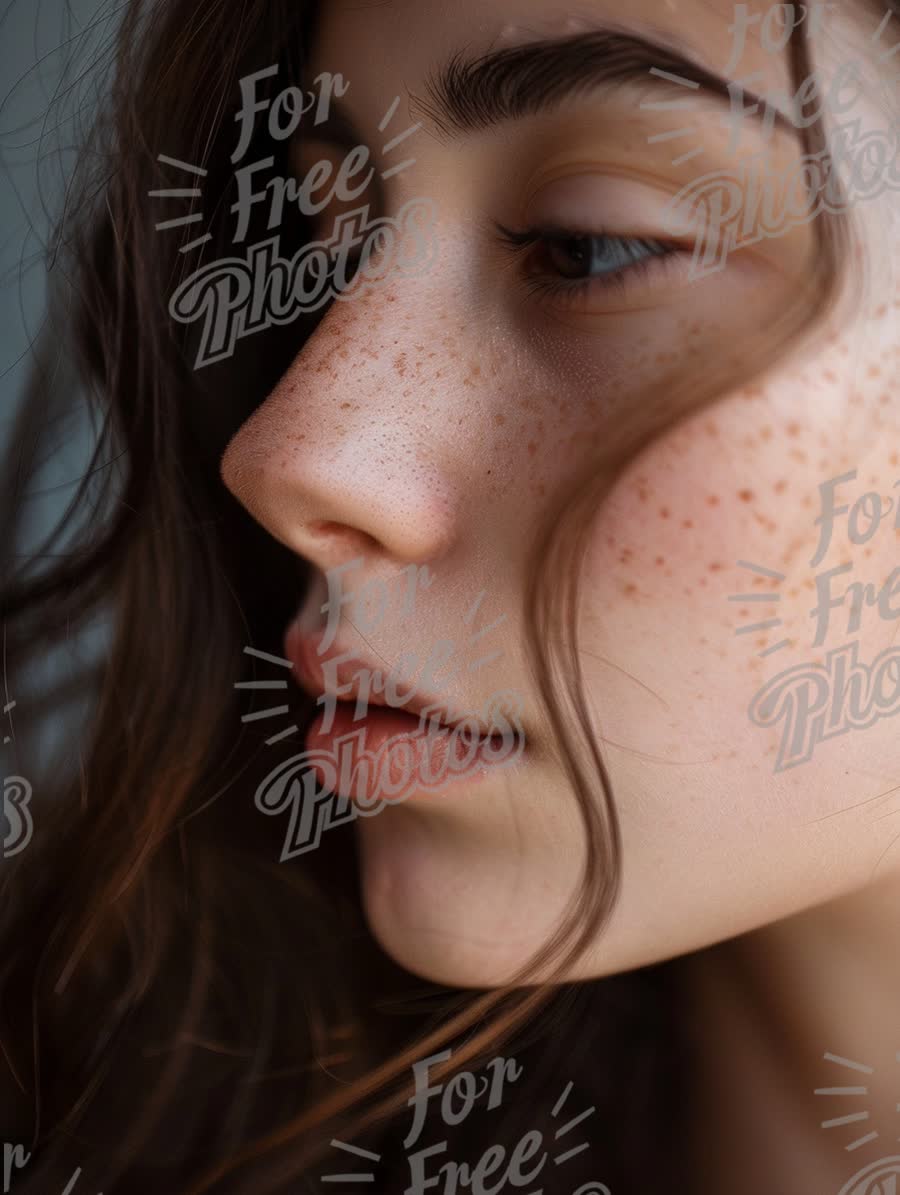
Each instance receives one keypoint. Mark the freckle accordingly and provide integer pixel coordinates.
(642, 495)
(660, 561)
(345, 406)
(712, 500)
(715, 567)
(630, 590)
(500, 420)
(884, 399)
(711, 428)
(766, 433)
(688, 524)
(830, 375)
(762, 642)
(797, 455)
(881, 311)
(532, 448)
(610, 541)
(873, 371)
(867, 553)
(894, 458)
(746, 495)
(542, 490)
(780, 487)
(688, 592)
(793, 429)
(664, 512)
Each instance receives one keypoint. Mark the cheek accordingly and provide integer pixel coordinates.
(707, 514)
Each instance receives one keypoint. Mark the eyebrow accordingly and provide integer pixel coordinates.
(471, 94)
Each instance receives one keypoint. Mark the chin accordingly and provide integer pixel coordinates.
(448, 900)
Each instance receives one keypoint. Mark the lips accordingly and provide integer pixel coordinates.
(402, 743)
(362, 682)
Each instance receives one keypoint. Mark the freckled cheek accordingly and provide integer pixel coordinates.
(661, 567)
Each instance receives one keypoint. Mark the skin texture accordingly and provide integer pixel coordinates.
(438, 419)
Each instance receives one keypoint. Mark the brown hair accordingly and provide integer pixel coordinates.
(180, 1012)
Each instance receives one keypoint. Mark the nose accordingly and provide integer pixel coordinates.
(348, 456)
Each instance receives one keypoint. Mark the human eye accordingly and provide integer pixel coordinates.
(576, 266)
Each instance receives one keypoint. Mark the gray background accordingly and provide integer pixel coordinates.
(50, 51)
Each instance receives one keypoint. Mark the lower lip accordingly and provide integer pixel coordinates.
(391, 754)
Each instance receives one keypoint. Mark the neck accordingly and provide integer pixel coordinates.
(765, 1010)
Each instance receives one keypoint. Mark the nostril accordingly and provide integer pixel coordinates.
(333, 529)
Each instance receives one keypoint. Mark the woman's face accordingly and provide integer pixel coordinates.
(439, 419)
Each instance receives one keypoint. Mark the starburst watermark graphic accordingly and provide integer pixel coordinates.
(770, 597)
(235, 296)
(515, 1168)
(276, 711)
(876, 1178)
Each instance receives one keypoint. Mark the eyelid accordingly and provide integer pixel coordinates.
(595, 200)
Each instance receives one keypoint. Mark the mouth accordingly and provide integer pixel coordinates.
(374, 744)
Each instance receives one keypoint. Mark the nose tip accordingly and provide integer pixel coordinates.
(336, 464)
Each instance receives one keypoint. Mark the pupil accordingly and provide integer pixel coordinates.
(572, 257)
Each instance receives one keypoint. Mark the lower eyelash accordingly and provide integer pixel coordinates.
(613, 280)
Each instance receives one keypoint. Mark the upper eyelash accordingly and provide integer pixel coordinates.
(531, 236)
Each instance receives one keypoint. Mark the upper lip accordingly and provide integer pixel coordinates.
(302, 649)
